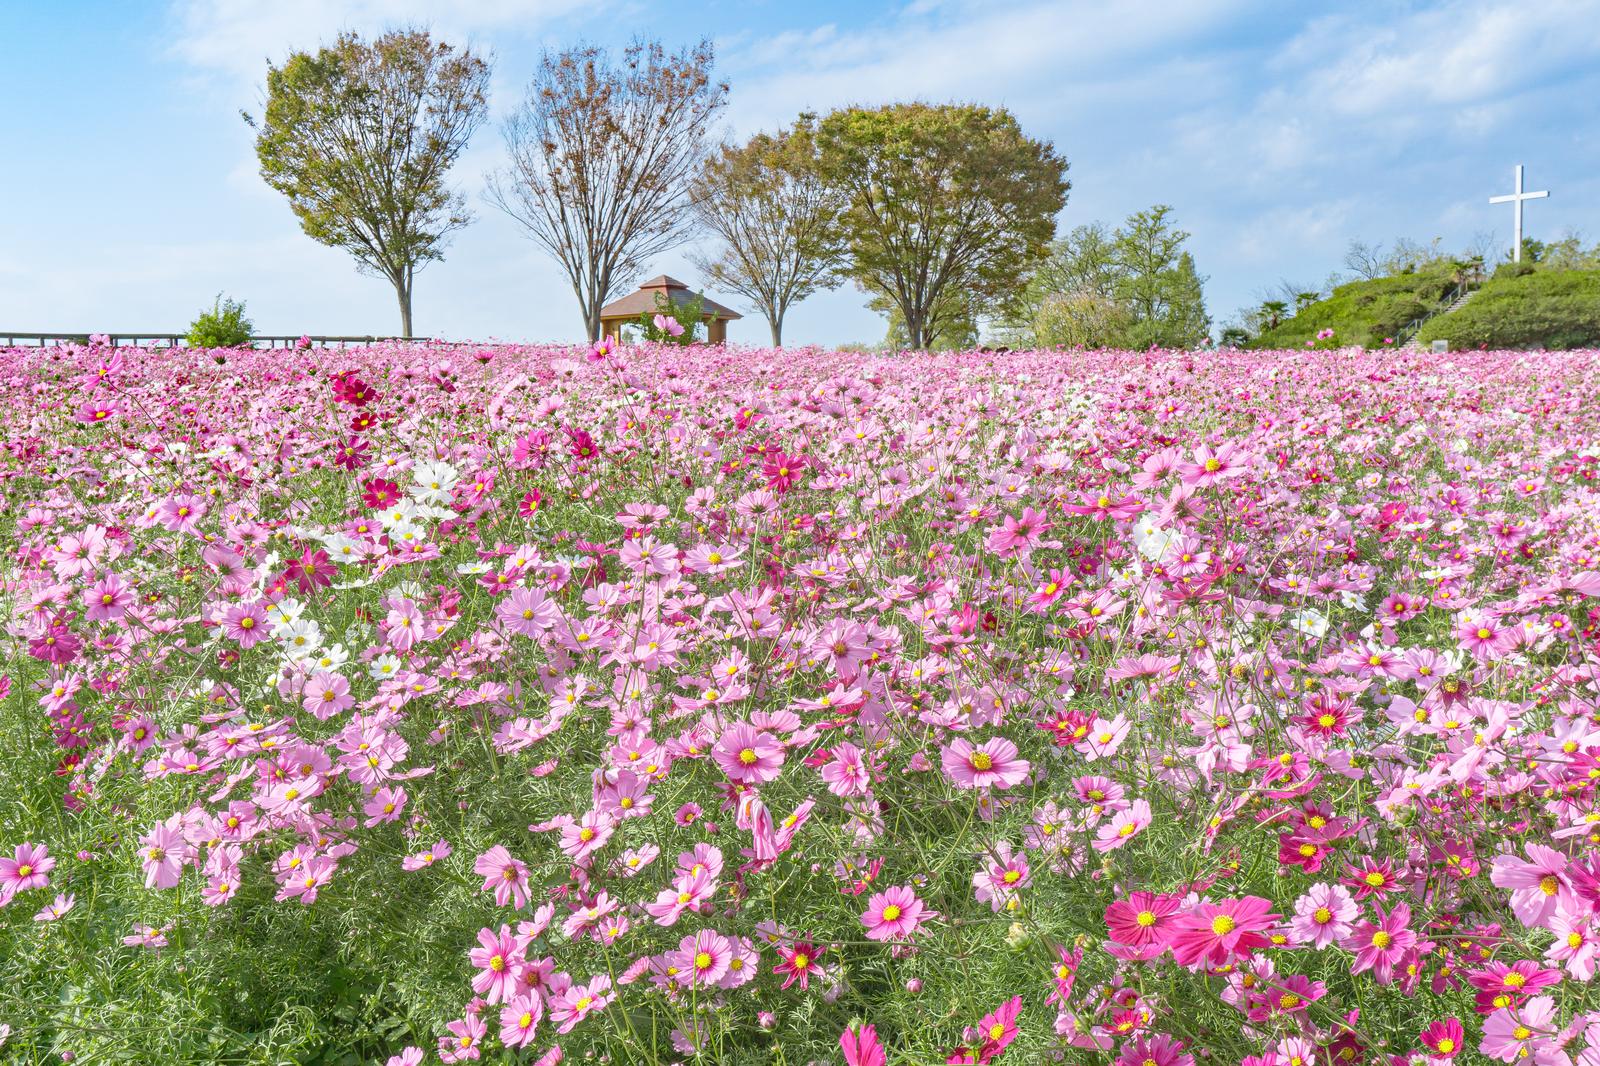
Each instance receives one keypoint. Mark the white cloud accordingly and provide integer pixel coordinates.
(1451, 54)
(235, 38)
(1046, 59)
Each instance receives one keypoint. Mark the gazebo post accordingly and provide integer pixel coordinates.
(614, 315)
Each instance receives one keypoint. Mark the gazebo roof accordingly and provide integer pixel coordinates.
(644, 300)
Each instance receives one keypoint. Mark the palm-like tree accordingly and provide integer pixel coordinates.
(1303, 300)
(1273, 311)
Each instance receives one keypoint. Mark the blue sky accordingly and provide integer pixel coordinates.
(1278, 132)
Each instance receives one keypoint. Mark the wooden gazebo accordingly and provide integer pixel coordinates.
(626, 311)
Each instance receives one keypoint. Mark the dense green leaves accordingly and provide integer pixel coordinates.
(1540, 309)
(941, 200)
(777, 220)
(360, 136)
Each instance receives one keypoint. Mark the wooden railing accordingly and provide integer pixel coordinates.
(144, 339)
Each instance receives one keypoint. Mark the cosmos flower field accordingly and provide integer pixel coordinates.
(529, 704)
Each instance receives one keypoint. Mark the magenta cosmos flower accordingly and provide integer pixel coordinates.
(993, 764)
(1218, 932)
(1379, 946)
(28, 867)
(1143, 920)
(748, 756)
(895, 913)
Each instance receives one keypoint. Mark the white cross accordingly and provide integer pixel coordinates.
(1515, 199)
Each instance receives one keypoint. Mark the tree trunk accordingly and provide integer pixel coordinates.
(402, 290)
(914, 332)
(776, 322)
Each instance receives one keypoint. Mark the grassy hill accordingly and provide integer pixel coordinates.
(1363, 312)
(1526, 308)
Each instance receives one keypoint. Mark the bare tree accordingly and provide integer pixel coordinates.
(600, 160)
(777, 219)
(360, 137)
(1365, 260)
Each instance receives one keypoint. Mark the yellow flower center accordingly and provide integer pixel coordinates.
(981, 760)
(1222, 924)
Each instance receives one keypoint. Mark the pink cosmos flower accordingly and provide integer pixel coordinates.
(462, 1045)
(798, 962)
(28, 867)
(246, 624)
(747, 755)
(1005, 875)
(994, 764)
(1210, 466)
(1513, 1034)
(895, 913)
(505, 876)
(581, 839)
(424, 859)
(577, 1002)
(1216, 933)
(498, 961)
(1123, 827)
(107, 599)
(1538, 885)
(163, 853)
(704, 957)
(518, 1019)
(326, 694)
(846, 774)
(1324, 915)
(56, 909)
(384, 805)
(1018, 536)
(528, 612)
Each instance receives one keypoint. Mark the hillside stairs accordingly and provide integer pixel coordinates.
(1411, 343)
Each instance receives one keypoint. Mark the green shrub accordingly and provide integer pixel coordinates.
(224, 326)
(1363, 312)
(1527, 309)
(685, 317)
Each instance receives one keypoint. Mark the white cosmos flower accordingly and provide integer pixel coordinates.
(434, 481)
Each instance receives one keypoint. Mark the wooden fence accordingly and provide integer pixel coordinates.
(147, 338)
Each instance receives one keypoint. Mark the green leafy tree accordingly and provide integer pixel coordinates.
(957, 325)
(777, 220)
(360, 136)
(1157, 281)
(679, 323)
(601, 156)
(1081, 318)
(941, 200)
(224, 326)
(1081, 263)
